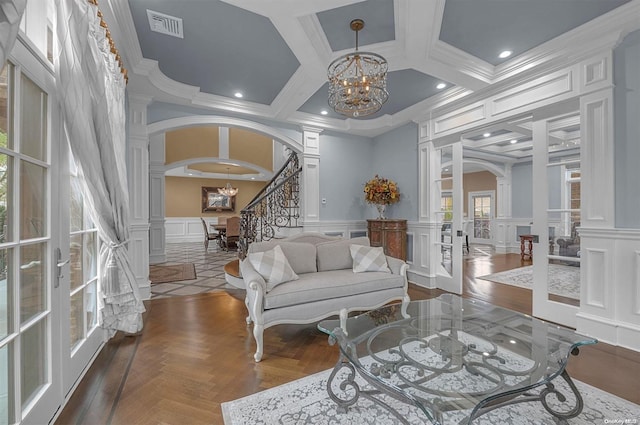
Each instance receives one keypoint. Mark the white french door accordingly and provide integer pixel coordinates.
(482, 211)
(81, 337)
(449, 188)
(48, 306)
(29, 302)
(556, 215)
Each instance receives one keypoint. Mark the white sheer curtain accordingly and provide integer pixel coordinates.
(91, 90)
(10, 15)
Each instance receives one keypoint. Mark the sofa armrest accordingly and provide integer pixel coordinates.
(397, 266)
(256, 289)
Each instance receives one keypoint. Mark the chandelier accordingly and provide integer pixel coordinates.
(358, 81)
(228, 190)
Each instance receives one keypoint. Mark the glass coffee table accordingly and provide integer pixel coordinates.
(454, 359)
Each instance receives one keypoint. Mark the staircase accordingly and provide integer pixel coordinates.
(274, 209)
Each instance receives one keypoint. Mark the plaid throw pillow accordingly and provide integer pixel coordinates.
(273, 266)
(368, 259)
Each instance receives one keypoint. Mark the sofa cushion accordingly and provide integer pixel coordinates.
(313, 287)
(335, 255)
(301, 255)
(368, 259)
(272, 266)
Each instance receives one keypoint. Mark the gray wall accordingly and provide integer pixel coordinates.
(396, 158)
(522, 191)
(626, 74)
(345, 164)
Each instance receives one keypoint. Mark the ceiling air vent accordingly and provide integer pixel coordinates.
(165, 24)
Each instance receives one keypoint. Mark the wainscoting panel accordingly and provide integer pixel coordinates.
(184, 229)
(610, 298)
(595, 277)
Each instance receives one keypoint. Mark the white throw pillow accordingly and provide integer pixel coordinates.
(368, 259)
(273, 266)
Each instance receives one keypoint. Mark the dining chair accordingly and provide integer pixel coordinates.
(208, 236)
(232, 234)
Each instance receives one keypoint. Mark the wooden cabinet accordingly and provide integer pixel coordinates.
(389, 234)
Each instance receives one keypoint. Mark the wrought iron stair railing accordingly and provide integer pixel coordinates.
(275, 207)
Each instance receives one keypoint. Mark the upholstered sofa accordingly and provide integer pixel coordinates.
(570, 247)
(327, 283)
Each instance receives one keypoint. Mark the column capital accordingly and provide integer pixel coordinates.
(307, 129)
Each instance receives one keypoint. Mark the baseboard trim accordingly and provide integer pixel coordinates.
(608, 330)
(420, 279)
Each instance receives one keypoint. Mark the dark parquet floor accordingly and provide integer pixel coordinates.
(196, 352)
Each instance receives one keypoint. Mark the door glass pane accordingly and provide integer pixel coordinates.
(75, 261)
(75, 206)
(76, 327)
(6, 107)
(6, 185)
(33, 115)
(6, 293)
(6, 376)
(32, 281)
(90, 257)
(92, 305)
(446, 209)
(32, 201)
(563, 215)
(33, 365)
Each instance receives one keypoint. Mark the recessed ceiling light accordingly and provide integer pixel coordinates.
(487, 134)
(238, 94)
(446, 169)
(253, 178)
(441, 86)
(505, 54)
(514, 141)
(323, 112)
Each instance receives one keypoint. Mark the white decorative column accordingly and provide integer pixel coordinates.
(157, 235)
(602, 298)
(311, 175)
(503, 225)
(427, 255)
(139, 191)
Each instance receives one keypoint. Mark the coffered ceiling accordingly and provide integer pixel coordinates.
(275, 53)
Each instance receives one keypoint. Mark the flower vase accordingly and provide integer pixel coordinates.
(381, 208)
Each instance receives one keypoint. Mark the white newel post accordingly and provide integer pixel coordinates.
(139, 191)
(157, 239)
(503, 225)
(311, 175)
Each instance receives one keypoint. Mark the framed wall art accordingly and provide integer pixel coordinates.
(214, 201)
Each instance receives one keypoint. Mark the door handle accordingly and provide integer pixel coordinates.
(59, 264)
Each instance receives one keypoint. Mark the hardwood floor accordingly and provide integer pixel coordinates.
(196, 352)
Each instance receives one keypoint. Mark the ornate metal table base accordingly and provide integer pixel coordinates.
(435, 407)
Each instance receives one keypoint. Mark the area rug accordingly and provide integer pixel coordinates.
(305, 401)
(563, 280)
(177, 272)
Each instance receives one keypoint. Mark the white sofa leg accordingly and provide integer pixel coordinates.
(246, 302)
(405, 303)
(344, 315)
(258, 331)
